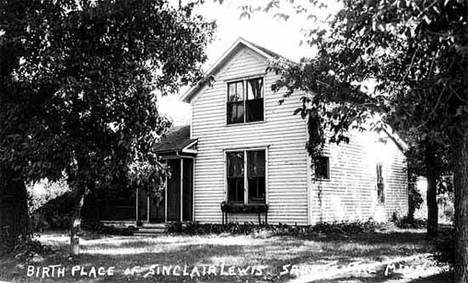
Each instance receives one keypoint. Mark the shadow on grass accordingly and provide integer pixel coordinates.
(190, 255)
(353, 279)
(376, 238)
(438, 278)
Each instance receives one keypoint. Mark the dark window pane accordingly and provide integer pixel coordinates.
(256, 176)
(255, 88)
(235, 172)
(235, 112)
(256, 163)
(236, 190)
(379, 173)
(235, 163)
(380, 193)
(380, 184)
(235, 92)
(257, 190)
(322, 167)
(254, 110)
(254, 102)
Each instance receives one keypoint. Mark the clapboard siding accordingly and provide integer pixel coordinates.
(281, 134)
(351, 192)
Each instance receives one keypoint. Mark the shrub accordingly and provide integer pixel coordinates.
(175, 227)
(55, 214)
(407, 222)
(99, 228)
(27, 250)
(249, 228)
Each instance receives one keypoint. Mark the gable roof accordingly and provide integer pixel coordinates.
(176, 141)
(240, 42)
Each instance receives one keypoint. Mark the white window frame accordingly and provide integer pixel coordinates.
(246, 192)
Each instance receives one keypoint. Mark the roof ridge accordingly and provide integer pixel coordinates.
(264, 49)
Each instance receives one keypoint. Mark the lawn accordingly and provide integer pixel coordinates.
(391, 256)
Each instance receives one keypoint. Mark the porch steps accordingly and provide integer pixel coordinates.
(151, 229)
(119, 223)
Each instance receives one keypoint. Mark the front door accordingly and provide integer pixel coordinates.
(179, 190)
(173, 190)
(187, 191)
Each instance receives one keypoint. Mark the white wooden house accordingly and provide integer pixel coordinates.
(244, 153)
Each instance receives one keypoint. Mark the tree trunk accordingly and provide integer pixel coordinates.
(14, 218)
(460, 174)
(76, 222)
(431, 194)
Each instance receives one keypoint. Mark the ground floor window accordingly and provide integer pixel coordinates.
(246, 176)
(322, 168)
(380, 184)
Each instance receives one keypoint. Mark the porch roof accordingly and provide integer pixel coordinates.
(177, 141)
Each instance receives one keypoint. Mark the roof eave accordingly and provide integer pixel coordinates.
(401, 144)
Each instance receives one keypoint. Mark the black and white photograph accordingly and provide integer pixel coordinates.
(290, 141)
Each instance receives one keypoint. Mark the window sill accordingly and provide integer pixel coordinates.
(245, 124)
(321, 179)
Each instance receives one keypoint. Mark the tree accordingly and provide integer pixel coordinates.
(76, 90)
(416, 54)
(431, 161)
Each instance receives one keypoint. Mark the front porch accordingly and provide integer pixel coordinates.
(177, 201)
(178, 152)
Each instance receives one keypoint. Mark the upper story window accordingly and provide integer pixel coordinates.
(245, 101)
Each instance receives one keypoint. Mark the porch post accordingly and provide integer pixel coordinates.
(181, 189)
(148, 208)
(136, 206)
(165, 199)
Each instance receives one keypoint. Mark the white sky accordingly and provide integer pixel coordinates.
(276, 34)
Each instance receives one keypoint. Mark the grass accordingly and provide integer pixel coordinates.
(360, 258)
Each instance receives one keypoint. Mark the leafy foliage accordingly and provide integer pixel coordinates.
(88, 74)
(50, 190)
(81, 87)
